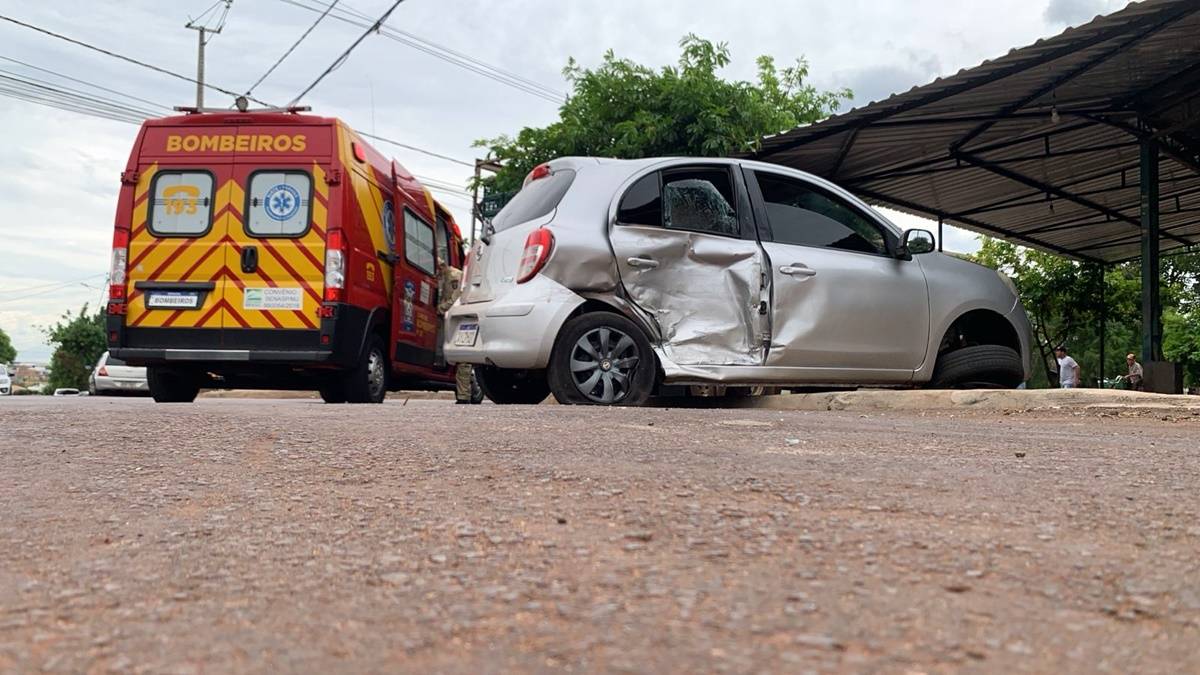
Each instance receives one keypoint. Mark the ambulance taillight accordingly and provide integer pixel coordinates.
(335, 266)
(116, 272)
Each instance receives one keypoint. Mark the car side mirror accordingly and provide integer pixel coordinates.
(916, 242)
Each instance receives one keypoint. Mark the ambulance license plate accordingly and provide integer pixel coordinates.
(172, 300)
(466, 335)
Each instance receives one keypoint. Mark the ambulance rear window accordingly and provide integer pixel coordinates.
(279, 204)
(182, 203)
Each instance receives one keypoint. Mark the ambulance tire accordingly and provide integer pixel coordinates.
(333, 392)
(171, 386)
(367, 381)
(512, 387)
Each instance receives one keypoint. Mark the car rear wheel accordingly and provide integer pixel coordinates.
(367, 382)
(512, 387)
(978, 367)
(172, 386)
(602, 359)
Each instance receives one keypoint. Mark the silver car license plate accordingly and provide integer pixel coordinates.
(466, 335)
(172, 300)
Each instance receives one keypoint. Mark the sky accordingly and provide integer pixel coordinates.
(61, 169)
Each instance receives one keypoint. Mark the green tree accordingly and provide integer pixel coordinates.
(1063, 300)
(626, 110)
(78, 342)
(7, 353)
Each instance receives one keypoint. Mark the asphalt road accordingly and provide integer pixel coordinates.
(271, 536)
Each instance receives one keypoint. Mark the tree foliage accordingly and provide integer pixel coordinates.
(626, 110)
(7, 353)
(78, 342)
(1064, 302)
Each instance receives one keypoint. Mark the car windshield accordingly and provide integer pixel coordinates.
(113, 361)
(535, 200)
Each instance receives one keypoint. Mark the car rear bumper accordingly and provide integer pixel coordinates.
(1020, 322)
(121, 384)
(516, 330)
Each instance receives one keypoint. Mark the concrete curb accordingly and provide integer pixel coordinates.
(976, 399)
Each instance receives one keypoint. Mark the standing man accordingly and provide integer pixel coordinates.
(1135, 375)
(1068, 369)
(449, 288)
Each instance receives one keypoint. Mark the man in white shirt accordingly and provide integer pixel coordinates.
(1068, 369)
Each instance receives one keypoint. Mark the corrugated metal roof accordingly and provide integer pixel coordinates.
(1041, 145)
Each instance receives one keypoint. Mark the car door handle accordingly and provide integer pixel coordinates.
(646, 263)
(796, 270)
(249, 259)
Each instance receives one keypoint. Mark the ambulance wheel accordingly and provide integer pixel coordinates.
(171, 386)
(504, 386)
(602, 359)
(367, 382)
(333, 392)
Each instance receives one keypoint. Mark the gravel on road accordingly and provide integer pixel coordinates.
(268, 536)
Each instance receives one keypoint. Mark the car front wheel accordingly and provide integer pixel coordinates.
(978, 367)
(602, 359)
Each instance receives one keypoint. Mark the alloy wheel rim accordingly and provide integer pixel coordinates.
(603, 362)
(375, 373)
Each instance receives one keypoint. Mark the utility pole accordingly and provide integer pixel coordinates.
(202, 29)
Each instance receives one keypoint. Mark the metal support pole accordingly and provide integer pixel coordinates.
(1151, 298)
(200, 69)
(1103, 321)
(475, 200)
(941, 222)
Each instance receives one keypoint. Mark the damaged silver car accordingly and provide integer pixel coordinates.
(606, 281)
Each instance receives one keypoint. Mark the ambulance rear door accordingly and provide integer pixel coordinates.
(276, 245)
(182, 213)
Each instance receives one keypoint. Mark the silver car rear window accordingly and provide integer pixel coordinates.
(534, 200)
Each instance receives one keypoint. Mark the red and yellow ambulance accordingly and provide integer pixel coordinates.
(278, 250)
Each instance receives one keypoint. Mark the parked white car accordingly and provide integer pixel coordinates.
(5, 381)
(603, 280)
(112, 376)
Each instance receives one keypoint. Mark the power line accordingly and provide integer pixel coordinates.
(61, 91)
(346, 54)
(83, 82)
(415, 149)
(451, 56)
(293, 47)
(52, 283)
(558, 95)
(127, 59)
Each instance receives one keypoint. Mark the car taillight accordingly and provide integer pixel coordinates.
(116, 270)
(335, 267)
(103, 372)
(539, 171)
(538, 246)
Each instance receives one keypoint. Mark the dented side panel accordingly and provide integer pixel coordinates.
(702, 291)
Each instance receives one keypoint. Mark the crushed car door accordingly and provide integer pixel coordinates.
(689, 259)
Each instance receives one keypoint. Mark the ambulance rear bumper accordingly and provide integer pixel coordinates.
(222, 355)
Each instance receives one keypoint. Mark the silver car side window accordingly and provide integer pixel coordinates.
(801, 214)
(700, 201)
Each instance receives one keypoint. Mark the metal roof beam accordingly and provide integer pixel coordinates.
(978, 224)
(1050, 189)
(1068, 47)
(1071, 75)
(1126, 239)
(845, 150)
(1027, 137)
